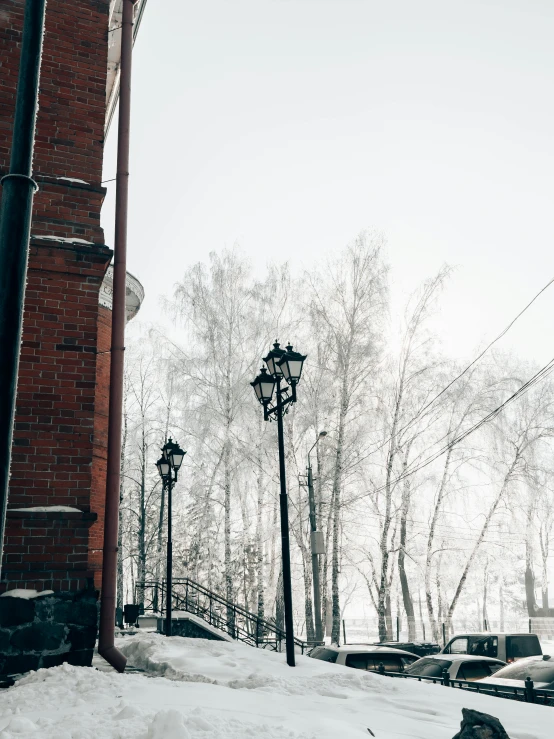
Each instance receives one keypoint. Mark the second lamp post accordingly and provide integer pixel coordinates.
(282, 364)
(168, 466)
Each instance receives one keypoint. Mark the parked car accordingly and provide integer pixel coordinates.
(459, 667)
(540, 669)
(422, 649)
(366, 657)
(505, 647)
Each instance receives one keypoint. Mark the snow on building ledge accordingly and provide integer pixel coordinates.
(134, 293)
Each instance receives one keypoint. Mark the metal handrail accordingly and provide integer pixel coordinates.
(254, 631)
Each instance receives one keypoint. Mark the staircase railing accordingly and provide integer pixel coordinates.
(229, 617)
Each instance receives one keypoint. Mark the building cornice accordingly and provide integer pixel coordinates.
(134, 293)
(114, 53)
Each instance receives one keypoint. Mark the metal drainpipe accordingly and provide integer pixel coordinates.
(106, 647)
(15, 227)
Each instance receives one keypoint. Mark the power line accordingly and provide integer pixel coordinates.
(485, 350)
(501, 543)
(540, 375)
(420, 530)
(464, 371)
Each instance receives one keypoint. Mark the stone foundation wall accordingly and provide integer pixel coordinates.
(47, 630)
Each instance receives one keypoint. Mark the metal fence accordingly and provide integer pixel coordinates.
(526, 694)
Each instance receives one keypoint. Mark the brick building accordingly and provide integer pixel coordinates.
(58, 468)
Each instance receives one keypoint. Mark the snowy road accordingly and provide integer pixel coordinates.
(216, 690)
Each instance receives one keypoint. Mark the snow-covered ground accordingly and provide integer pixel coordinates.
(220, 690)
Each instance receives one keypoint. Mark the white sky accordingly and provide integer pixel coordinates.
(289, 125)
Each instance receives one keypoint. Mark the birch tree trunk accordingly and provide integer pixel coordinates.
(119, 587)
(280, 603)
(227, 535)
(501, 603)
(260, 548)
(544, 541)
(406, 595)
(430, 542)
(326, 611)
(384, 539)
(308, 605)
(529, 569)
(336, 498)
(486, 622)
(141, 560)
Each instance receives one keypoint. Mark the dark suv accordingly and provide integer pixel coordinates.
(422, 649)
(507, 647)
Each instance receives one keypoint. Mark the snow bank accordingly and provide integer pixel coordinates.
(221, 690)
(239, 667)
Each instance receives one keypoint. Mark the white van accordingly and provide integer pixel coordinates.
(506, 647)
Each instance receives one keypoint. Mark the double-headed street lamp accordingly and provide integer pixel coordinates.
(281, 364)
(168, 466)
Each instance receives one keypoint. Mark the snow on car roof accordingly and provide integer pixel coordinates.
(355, 648)
(464, 657)
(492, 633)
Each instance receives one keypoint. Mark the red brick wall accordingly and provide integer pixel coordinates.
(53, 432)
(53, 447)
(70, 124)
(47, 550)
(54, 441)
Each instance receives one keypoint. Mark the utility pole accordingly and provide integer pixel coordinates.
(316, 543)
(18, 189)
(317, 547)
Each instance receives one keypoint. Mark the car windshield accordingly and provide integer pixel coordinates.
(428, 667)
(327, 655)
(540, 671)
(457, 646)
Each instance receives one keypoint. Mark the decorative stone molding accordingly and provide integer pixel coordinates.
(134, 293)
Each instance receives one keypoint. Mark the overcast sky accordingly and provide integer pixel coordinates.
(287, 126)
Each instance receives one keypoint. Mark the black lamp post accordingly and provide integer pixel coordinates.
(168, 466)
(281, 364)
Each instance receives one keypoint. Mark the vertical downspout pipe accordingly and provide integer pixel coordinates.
(106, 647)
(16, 212)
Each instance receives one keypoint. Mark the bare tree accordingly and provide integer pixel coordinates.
(347, 306)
